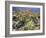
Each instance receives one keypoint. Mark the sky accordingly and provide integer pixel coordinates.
(34, 10)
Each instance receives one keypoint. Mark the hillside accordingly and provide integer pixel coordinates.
(26, 20)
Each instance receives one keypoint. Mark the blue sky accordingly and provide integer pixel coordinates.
(34, 10)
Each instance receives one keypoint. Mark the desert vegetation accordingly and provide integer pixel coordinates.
(25, 20)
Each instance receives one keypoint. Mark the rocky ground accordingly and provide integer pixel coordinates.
(26, 21)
